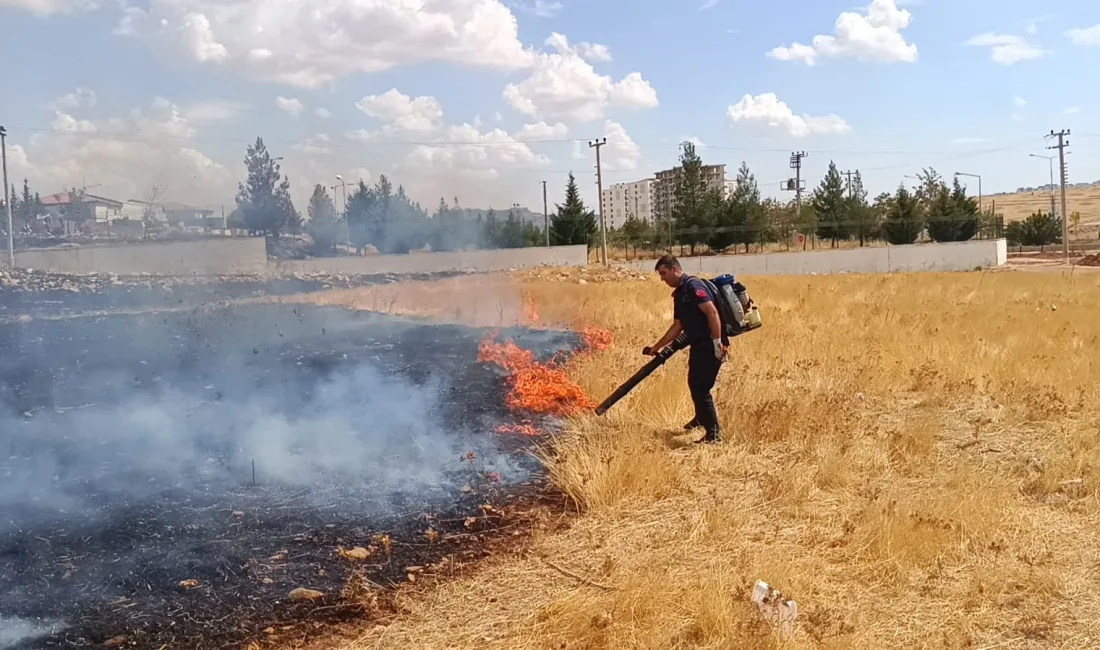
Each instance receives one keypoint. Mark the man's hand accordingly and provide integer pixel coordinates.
(719, 349)
(649, 351)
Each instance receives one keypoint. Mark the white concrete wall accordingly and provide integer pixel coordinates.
(489, 260)
(242, 255)
(955, 256)
(205, 257)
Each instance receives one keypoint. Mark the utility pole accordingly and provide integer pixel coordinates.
(1061, 147)
(599, 201)
(7, 198)
(545, 215)
(795, 184)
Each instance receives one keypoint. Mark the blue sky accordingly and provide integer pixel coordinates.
(484, 99)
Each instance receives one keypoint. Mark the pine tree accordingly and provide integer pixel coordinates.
(967, 213)
(904, 218)
(572, 224)
(694, 208)
(859, 213)
(323, 225)
(831, 203)
(263, 201)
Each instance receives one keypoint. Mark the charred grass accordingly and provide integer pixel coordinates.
(912, 458)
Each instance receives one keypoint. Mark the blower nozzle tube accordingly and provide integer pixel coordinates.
(657, 361)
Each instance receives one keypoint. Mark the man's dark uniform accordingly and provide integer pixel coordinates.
(703, 365)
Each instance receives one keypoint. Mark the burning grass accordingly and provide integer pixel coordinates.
(913, 458)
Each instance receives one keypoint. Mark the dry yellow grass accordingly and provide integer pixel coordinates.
(1018, 205)
(914, 458)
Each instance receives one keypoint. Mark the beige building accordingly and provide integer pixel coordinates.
(624, 199)
(664, 193)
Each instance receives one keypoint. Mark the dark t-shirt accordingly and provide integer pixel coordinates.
(686, 300)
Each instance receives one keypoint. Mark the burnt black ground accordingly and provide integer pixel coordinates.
(43, 294)
(125, 465)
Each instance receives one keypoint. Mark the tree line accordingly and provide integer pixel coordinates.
(386, 218)
(837, 210)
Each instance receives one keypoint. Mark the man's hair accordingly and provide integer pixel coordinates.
(667, 261)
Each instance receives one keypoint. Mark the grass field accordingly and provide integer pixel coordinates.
(915, 459)
(1017, 206)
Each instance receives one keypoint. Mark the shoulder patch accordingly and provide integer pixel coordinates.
(700, 293)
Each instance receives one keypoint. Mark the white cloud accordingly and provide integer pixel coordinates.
(318, 145)
(1019, 101)
(1085, 35)
(213, 111)
(873, 36)
(709, 4)
(314, 44)
(47, 7)
(1072, 110)
(1016, 117)
(564, 85)
(290, 105)
(124, 156)
(541, 8)
(620, 152)
(1007, 49)
(768, 109)
(323, 113)
(401, 113)
(542, 131)
(81, 98)
(467, 161)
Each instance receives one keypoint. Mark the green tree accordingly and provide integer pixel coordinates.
(967, 213)
(361, 206)
(1041, 229)
(324, 226)
(695, 207)
(904, 218)
(511, 233)
(877, 215)
(263, 201)
(860, 216)
(831, 206)
(740, 217)
(572, 224)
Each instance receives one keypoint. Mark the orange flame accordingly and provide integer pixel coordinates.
(596, 339)
(525, 429)
(535, 387)
(530, 314)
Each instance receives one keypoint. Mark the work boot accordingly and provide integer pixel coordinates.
(694, 424)
(710, 439)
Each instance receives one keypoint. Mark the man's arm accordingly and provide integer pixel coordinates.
(669, 337)
(713, 319)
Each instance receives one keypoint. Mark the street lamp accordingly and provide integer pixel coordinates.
(981, 206)
(1050, 160)
(7, 198)
(344, 192)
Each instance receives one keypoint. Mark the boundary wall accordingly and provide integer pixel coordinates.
(954, 256)
(248, 255)
(485, 260)
(205, 257)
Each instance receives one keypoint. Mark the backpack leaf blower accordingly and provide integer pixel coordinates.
(739, 314)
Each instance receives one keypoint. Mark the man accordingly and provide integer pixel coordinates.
(696, 315)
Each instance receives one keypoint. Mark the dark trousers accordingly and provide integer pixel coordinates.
(703, 369)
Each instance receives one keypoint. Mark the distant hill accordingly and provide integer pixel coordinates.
(1080, 197)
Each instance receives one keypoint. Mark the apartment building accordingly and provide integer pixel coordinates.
(624, 199)
(664, 193)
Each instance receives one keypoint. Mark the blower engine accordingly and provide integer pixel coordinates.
(739, 315)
